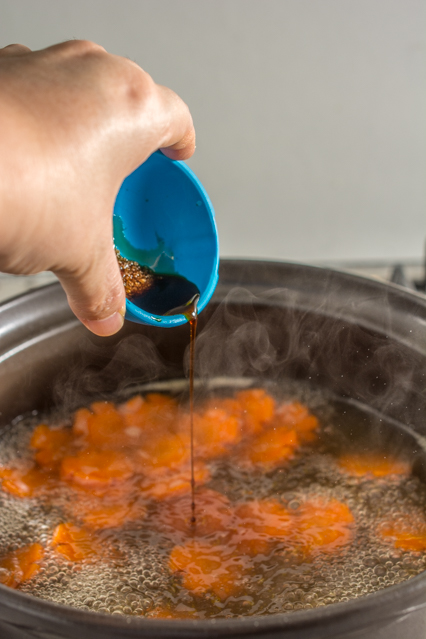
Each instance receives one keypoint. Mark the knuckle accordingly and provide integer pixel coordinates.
(137, 86)
(15, 48)
(95, 297)
(82, 47)
(94, 308)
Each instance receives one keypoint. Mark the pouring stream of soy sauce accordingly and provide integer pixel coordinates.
(190, 311)
(173, 294)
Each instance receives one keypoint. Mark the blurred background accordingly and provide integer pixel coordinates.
(310, 114)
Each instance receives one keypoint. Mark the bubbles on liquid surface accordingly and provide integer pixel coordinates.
(137, 580)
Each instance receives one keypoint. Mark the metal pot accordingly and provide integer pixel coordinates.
(360, 339)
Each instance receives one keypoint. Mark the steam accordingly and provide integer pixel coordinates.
(234, 344)
(352, 346)
(104, 372)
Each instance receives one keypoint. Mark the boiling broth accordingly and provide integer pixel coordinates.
(134, 573)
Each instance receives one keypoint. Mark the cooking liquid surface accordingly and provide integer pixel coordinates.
(327, 519)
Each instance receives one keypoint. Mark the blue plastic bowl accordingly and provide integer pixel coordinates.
(163, 218)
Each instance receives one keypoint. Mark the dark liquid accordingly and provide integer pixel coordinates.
(190, 311)
(166, 295)
(193, 328)
(175, 295)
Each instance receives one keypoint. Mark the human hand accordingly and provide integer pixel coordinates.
(74, 122)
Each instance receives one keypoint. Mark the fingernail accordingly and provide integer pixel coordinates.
(107, 326)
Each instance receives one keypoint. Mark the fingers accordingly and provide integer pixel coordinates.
(14, 50)
(179, 143)
(97, 296)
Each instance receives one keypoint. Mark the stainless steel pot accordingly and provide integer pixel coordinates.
(360, 339)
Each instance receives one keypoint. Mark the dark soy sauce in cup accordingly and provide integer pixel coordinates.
(166, 295)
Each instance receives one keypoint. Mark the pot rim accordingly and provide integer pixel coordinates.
(377, 607)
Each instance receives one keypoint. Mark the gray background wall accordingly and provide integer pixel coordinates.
(310, 114)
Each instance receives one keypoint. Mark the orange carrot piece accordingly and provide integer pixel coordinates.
(271, 448)
(374, 464)
(102, 427)
(266, 516)
(25, 482)
(112, 515)
(217, 426)
(132, 406)
(173, 483)
(75, 543)
(323, 525)
(257, 408)
(215, 429)
(20, 565)
(50, 444)
(405, 535)
(97, 468)
(162, 453)
(204, 567)
(162, 403)
(258, 523)
(295, 416)
(80, 425)
(153, 411)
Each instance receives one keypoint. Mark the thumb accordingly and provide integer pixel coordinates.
(96, 294)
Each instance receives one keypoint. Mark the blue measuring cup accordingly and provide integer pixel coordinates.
(163, 219)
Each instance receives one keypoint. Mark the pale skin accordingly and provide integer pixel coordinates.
(74, 122)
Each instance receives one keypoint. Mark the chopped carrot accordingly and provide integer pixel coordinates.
(132, 406)
(414, 541)
(174, 483)
(217, 425)
(75, 543)
(154, 411)
(20, 565)
(405, 535)
(258, 523)
(25, 482)
(97, 468)
(162, 403)
(50, 444)
(108, 508)
(295, 416)
(228, 404)
(213, 514)
(374, 464)
(102, 427)
(323, 525)
(270, 448)
(112, 515)
(257, 408)
(97, 494)
(80, 425)
(215, 429)
(204, 566)
(164, 452)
